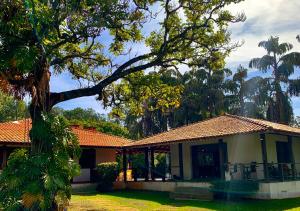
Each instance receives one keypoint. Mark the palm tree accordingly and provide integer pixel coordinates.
(282, 63)
(247, 97)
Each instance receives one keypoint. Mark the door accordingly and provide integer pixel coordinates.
(206, 161)
(283, 159)
(283, 155)
(87, 163)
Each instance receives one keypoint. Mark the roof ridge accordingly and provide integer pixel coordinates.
(108, 134)
(251, 120)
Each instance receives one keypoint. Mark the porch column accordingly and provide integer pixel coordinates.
(146, 152)
(125, 165)
(4, 157)
(180, 159)
(291, 153)
(264, 155)
(222, 158)
(152, 163)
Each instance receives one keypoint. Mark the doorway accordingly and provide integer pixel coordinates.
(282, 149)
(206, 161)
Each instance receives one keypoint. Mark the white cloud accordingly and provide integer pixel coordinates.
(264, 18)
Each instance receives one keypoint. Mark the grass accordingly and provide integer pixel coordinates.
(147, 200)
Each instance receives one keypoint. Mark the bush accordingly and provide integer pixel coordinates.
(161, 166)
(138, 166)
(107, 174)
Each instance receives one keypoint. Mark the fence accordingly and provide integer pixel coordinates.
(257, 171)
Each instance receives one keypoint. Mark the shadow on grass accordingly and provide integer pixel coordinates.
(163, 199)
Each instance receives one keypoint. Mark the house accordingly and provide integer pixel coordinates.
(228, 148)
(96, 147)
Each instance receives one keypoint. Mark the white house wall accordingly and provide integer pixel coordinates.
(244, 148)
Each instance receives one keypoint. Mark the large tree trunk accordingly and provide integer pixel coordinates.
(40, 93)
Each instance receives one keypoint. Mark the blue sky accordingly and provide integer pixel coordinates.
(264, 18)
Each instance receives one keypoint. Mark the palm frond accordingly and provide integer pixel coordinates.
(284, 47)
(291, 58)
(271, 45)
(294, 87)
(285, 70)
(263, 63)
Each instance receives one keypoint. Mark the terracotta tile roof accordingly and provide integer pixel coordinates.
(217, 127)
(16, 132)
(96, 139)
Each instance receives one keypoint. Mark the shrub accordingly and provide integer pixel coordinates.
(138, 165)
(107, 174)
(161, 165)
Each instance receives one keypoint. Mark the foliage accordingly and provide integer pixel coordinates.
(90, 118)
(11, 108)
(137, 165)
(148, 89)
(282, 63)
(35, 181)
(139, 94)
(161, 165)
(107, 174)
(248, 97)
(79, 114)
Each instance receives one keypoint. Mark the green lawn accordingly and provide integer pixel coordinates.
(142, 200)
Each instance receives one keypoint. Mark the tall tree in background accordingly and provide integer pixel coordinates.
(203, 96)
(282, 64)
(40, 36)
(11, 108)
(89, 118)
(247, 96)
(143, 102)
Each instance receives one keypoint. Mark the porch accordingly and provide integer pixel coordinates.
(257, 157)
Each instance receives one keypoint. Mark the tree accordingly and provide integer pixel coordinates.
(88, 118)
(143, 101)
(42, 38)
(11, 108)
(154, 103)
(248, 97)
(282, 65)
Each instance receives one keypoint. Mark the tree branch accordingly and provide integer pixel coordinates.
(56, 98)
